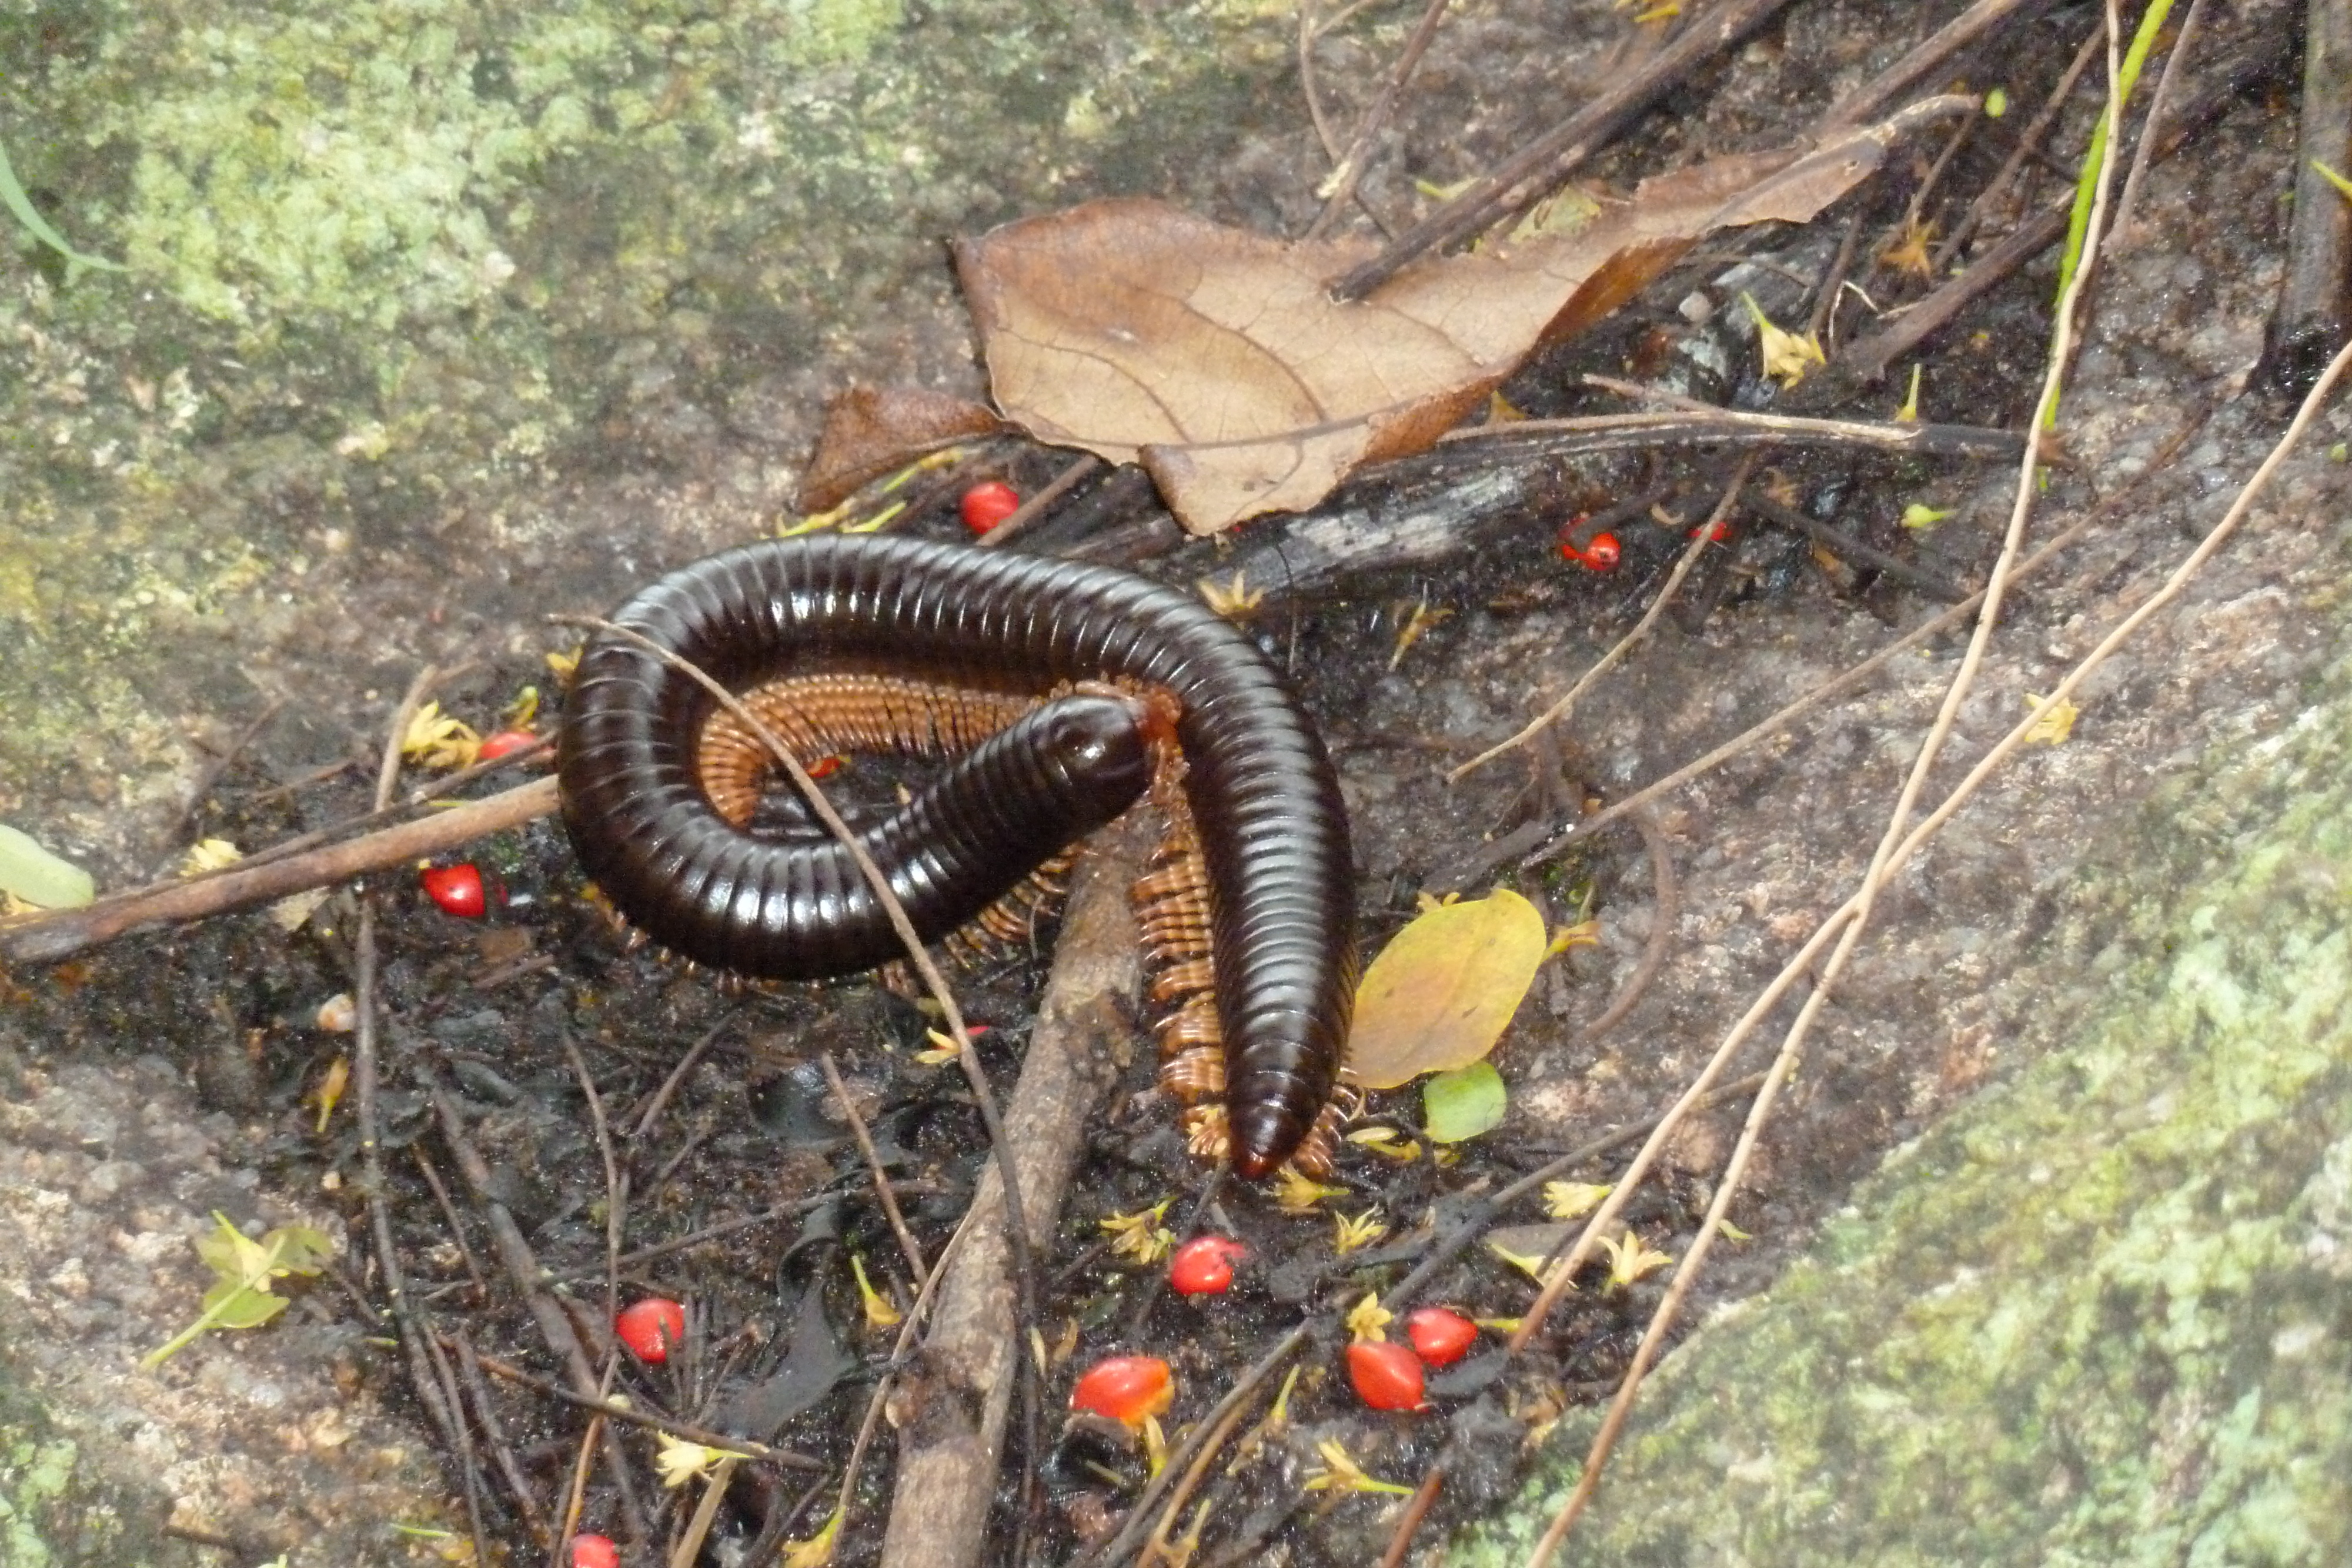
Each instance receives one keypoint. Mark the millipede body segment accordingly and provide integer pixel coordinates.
(1063, 692)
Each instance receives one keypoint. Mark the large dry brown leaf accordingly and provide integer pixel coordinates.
(1215, 357)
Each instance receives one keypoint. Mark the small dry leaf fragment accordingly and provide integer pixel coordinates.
(1909, 252)
(1295, 1193)
(1441, 992)
(329, 1093)
(1140, 1236)
(1788, 356)
(1573, 1199)
(870, 431)
(1525, 1247)
(208, 856)
(1415, 627)
(1217, 359)
(881, 1313)
(1360, 1231)
(434, 739)
(2052, 721)
(1339, 1472)
(681, 1461)
(817, 1549)
(1630, 1259)
(1234, 600)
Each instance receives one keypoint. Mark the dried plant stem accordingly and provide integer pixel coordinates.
(881, 1178)
(1700, 538)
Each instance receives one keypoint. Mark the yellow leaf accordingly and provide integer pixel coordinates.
(817, 1549)
(1294, 1194)
(2052, 722)
(1787, 355)
(1440, 994)
(209, 854)
(1572, 1199)
(1361, 1232)
(1339, 1472)
(1909, 412)
(880, 1312)
(1140, 1236)
(1387, 1142)
(1421, 619)
(1630, 1259)
(1232, 599)
(1909, 252)
(681, 1462)
(330, 1090)
(434, 739)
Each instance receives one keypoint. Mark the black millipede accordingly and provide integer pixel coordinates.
(1098, 684)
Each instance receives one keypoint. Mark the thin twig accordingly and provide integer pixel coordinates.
(615, 1201)
(449, 1217)
(652, 1420)
(698, 1528)
(1700, 538)
(212, 772)
(1203, 1456)
(881, 1178)
(1416, 1509)
(2152, 127)
(485, 1414)
(1358, 156)
(1945, 42)
(1662, 924)
(1692, 421)
(59, 934)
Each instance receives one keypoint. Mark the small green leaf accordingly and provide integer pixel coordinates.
(240, 1297)
(38, 877)
(1996, 103)
(11, 195)
(1464, 1102)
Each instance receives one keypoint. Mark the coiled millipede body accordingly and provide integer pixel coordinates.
(1061, 691)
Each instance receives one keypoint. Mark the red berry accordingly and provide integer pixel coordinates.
(457, 889)
(1204, 1265)
(594, 1552)
(1387, 1375)
(1126, 1388)
(498, 746)
(1601, 554)
(1716, 534)
(650, 1327)
(985, 506)
(1439, 1337)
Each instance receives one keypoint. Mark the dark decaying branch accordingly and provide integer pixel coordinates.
(2312, 308)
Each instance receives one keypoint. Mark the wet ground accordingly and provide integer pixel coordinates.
(218, 510)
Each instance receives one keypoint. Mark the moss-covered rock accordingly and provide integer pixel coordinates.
(2099, 1316)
